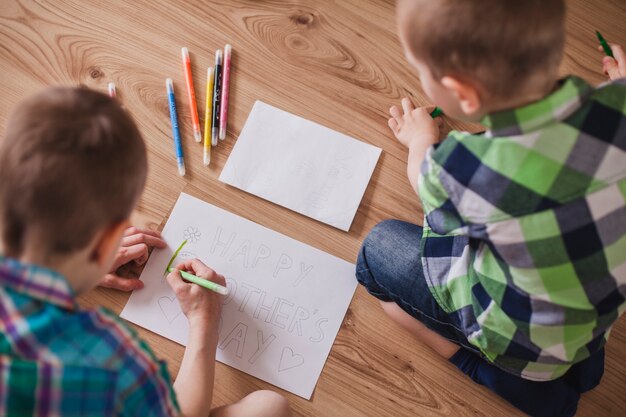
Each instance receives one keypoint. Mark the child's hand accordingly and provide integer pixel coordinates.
(199, 304)
(414, 124)
(134, 249)
(615, 68)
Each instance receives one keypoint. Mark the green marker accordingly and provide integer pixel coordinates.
(209, 285)
(192, 278)
(605, 46)
(436, 113)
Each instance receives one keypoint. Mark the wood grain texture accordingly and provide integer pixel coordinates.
(337, 63)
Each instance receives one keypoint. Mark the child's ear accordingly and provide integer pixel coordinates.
(108, 242)
(467, 95)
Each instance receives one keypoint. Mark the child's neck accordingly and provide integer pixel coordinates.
(535, 91)
(74, 267)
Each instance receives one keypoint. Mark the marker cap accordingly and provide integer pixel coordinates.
(112, 91)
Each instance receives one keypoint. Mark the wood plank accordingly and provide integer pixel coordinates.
(337, 63)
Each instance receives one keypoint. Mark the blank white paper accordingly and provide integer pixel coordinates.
(301, 165)
(286, 304)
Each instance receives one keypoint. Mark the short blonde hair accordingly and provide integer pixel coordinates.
(500, 44)
(72, 162)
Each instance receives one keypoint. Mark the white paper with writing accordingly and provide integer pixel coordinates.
(287, 299)
(301, 165)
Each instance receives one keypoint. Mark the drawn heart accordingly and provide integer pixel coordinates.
(170, 308)
(289, 360)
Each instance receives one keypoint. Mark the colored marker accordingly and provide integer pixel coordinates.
(436, 113)
(605, 45)
(217, 95)
(210, 285)
(225, 87)
(197, 134)
(178, 145)
(112, 91)
(208, 116)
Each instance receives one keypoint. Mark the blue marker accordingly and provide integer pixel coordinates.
(178, 143)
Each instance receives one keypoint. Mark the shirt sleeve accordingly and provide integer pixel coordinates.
(440, 213)
(143, 386)
(152, 394)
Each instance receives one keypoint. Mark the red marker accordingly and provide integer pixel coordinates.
(197, 133)
(225, 88)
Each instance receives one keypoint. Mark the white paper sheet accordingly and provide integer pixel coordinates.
(287, 300)
(301, 165)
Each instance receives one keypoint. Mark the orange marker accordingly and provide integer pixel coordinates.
(197, 133)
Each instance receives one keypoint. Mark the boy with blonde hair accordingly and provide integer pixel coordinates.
(72, 167)
(519, 271)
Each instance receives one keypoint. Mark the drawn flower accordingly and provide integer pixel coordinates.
(192, 234)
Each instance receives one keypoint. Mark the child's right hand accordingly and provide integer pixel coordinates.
(414, 125)
(615, 68)
(200, 305)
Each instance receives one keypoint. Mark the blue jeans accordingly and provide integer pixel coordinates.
(390, 268)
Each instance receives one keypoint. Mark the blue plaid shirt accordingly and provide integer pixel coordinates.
(57, 359)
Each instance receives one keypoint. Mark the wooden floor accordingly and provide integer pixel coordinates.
(338, 63)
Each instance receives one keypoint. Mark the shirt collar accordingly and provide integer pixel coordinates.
(37, 282)
(554, 108)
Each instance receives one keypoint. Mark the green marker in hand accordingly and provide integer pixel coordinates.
(436, 113)
(605, 45)
(209, 285)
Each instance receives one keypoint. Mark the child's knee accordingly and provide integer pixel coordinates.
(378, 236)
(388, 255)
(392, 239)
(374, 246)
(267, 403)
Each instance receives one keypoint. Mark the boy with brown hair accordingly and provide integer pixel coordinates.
(519, 271)
(72, 167)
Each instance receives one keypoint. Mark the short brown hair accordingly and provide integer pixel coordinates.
(500, 44)
(72, 162)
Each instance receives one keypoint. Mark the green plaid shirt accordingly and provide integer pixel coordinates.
(525, 228)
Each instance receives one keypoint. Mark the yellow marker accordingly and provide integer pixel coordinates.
(208, 116)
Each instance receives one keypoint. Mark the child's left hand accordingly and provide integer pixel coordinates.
(134, 250)
(414, 124)
(615, 68)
